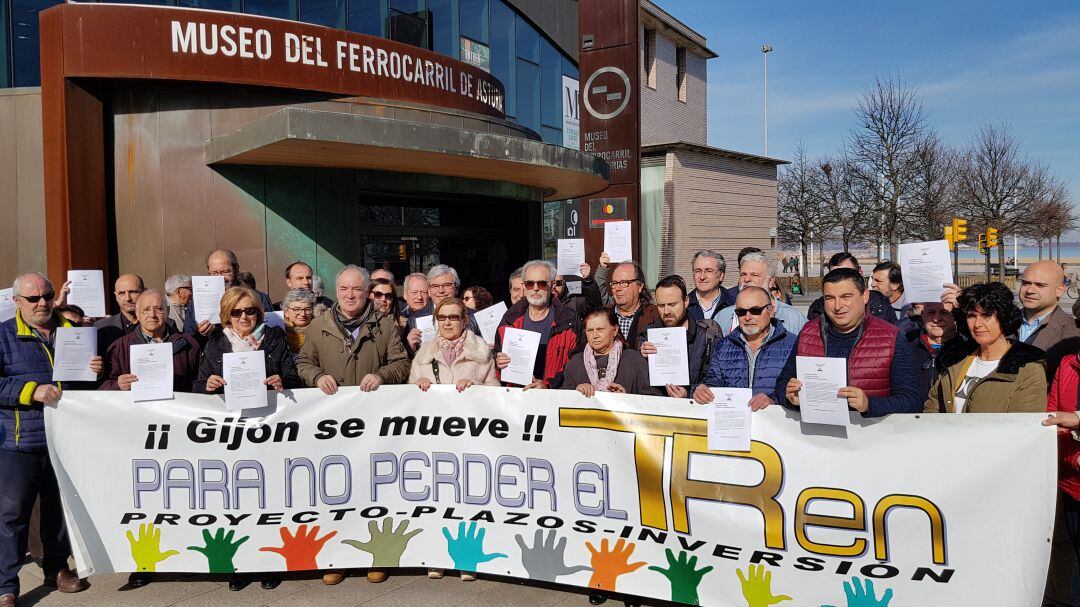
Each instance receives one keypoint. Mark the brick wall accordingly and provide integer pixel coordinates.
(664, 118)
(712, 202)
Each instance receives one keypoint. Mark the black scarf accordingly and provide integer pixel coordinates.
(348, 325)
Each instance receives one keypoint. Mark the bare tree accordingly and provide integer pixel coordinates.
(999, 187)
(890, 124)
(932, 204)
(799, 212)
(847, 202)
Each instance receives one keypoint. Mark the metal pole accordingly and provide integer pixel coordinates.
(765, 50)
(1016, 252)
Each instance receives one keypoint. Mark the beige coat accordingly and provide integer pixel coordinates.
(474, 362)
(377, 349)
(1017, 385)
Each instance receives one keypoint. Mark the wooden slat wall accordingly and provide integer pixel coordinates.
(22, 184)
(716, 203)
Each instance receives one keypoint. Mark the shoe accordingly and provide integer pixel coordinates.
(66, 581)
(7, 600)
(468, 577)
(435, 574)
(376, 577)
(238, 583)
(136, 580)
(270, 582)
(333, 578)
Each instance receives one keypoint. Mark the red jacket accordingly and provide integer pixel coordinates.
(563, 342)
(1063, 397)
(870, 363)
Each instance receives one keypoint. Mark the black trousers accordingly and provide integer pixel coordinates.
(26, 476)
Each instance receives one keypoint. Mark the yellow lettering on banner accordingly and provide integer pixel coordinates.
(937, 524)
(804, 519)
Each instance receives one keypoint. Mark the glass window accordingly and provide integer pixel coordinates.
(474, 19)
(528, 94)
(409, 7)
(214, 5)
(24, 40)
(528, 41)
(366, 16)
(283, 9)
(410, 28)
(568, 68)
(441, 15)
(550, 135)
(5, 77)
(502, 51)
(550, 84)
(330, 13)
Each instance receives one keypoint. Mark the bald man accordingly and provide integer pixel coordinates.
(1045, 324)
(126, 291)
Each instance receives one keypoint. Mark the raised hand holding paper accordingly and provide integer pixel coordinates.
(7, 305)
(206, 292)
(617, 241)
(926, 269)
(87, 292)
(822, 378)
(74, 347)
(571, 255)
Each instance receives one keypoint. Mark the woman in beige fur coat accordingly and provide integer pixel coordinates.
(454, 355)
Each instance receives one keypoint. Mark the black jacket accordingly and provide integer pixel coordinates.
(279, 359)
(632, 374)
(927, 362)
(702, 336)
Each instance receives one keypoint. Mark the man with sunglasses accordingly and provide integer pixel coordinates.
(882, 377)
(26, 387)
(702, 334)
(443, 282)
(753, 355)
(559, 326)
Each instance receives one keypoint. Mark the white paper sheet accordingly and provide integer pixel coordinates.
(152, 364)
(617, 241)
(206, 292)
(7, 305)
(670, 364)
(926, 268)
(573, 287)
(571, 254)
(74, 347)
(87, 292)
(426, 324)
(488, 320)
(521, 346)
(729, 419)
(245, 377)
(822, 378)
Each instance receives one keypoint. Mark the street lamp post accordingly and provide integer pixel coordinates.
(765, 50)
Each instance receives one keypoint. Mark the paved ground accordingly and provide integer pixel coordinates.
(398, 591)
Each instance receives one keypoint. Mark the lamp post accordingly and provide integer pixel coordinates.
(765, 50)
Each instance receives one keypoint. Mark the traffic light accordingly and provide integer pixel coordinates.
(949, 236)
(959, 229)
(982, 244)
(991, 237)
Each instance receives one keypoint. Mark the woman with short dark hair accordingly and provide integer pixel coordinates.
(477, 298)
(607, 365)
(989, 372)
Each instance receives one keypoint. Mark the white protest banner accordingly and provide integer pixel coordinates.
(493, 480)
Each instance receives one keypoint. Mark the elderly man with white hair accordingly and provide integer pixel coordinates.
(178, 292)
(756, 270)
(26, 386)
(442, 282)
(559, 326)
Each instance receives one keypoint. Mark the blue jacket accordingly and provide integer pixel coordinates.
(730, 366)
(25, 362)
(696, 312)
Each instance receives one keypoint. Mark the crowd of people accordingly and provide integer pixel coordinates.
(973, 351)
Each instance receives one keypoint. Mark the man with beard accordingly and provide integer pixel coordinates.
(701, 334)
(559, 326)
(753, 355)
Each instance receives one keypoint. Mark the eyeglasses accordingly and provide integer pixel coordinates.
(36, 298)
(377, 295)
(228, 272)
(558, 283)
(440, 286)
(706, 271)
(622, 284)
(754, 311)
(304, 311)
(155, 311)
(448, 317)
(244, 311)
(540, 285)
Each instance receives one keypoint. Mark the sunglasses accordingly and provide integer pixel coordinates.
(36, 298)
(541, 285)
(450, 317)
(756, 310)
(377, 295)
(248, 311)
(558, 283)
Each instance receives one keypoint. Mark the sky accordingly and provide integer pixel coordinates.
(973, 63)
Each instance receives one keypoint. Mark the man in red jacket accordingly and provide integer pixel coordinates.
(559, 326)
